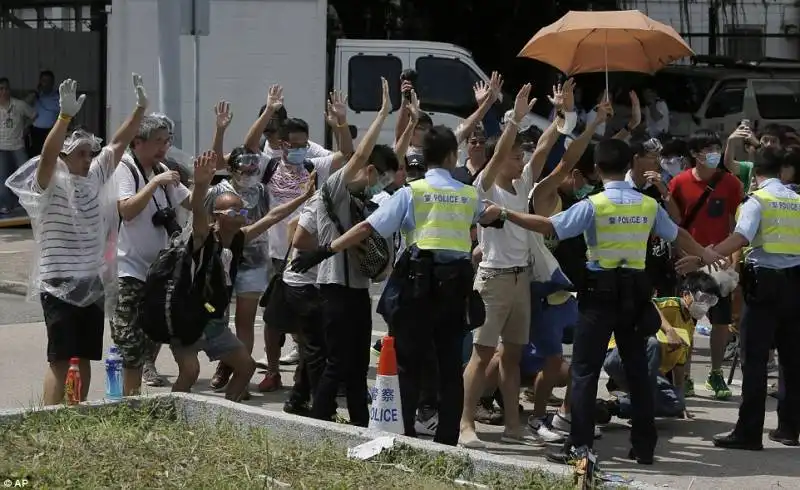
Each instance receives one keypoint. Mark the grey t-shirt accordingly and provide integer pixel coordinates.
(256, 253)
(332, 270)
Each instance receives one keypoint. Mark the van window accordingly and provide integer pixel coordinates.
(777, 99)
(682, 91)
(445, 85)
(364, 81)
(728, 99)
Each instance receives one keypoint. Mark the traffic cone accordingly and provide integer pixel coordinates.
(386, 412)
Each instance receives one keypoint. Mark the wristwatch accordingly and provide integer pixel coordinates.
(503, 214)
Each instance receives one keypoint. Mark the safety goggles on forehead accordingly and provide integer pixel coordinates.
(233, 213)
(705, 298)
(653, 145)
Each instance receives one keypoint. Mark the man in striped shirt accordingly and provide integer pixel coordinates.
(74, 210)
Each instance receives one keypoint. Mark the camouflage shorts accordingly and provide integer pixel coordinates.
(126, 331)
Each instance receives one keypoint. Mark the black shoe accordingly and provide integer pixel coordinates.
(296, 408)
(641, 459)
(603, 411)
(734, 441)
(564, 456)
(785, 437)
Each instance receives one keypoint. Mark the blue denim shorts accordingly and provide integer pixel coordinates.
(548, 323)
(251, 281)
(216, 342)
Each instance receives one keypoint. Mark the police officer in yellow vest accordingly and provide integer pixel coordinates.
(433, 276)
(769, 223)
(616, 224)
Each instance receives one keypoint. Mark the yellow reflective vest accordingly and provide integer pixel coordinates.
(779, 231)
(622, 232)
(443, 217)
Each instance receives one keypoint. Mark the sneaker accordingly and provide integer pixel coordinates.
(542, 432)
(150, 376)
(376, 348)
(297, 408)
(522, 437)
(293, 357)
(487, 413)
(716, 384)
(221, 377)
(428, 426)
(262, 363)
(688, 387)
(562, 423)
(732, 348)
(271, 382)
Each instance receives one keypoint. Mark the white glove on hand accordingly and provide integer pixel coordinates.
(67, 97)
(141, 95)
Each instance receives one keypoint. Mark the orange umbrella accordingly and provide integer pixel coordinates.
(585, 42)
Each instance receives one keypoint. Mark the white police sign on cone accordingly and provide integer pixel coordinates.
(386, 413)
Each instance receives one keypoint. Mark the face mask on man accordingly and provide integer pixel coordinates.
(376, 188)
(698, 309)
(671, 165)
(712, 159)
(583, 191)
(246, 181)
(296, 156)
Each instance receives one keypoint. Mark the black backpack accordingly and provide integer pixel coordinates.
(180, 298)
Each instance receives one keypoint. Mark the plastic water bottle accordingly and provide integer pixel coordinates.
(703, 327)
(113, 374)
(72, 386)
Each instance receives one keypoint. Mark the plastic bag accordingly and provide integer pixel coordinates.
(727, 279)
(74, 222)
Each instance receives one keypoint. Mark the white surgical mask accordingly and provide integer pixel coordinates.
(698, 309)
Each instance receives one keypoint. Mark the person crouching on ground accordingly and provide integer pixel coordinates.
(668, 350)
(228, 229)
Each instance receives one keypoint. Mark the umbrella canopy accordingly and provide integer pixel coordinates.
(586, 42)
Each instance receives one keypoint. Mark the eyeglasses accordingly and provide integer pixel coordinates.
(233, 213)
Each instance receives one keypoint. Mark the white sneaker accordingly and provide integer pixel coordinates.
(542, 432)
(563, 423)
(427, 427)
(262, 363)
(293, 357)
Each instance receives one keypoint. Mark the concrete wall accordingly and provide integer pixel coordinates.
(773, 16)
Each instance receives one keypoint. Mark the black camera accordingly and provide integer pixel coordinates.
(409, 75)
(166, 218)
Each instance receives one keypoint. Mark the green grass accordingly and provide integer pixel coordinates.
(148, 447)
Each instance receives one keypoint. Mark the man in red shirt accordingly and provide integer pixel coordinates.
(709, 222)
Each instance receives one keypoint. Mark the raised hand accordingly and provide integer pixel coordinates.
(636, 110)
(522, 105)
(386, 102)
(413, 106)
(481, 90)
(224, 114)
(275, 98)
(604, 111)
(141, 95)
(496, 85)
(68, 97)
(337, 109)
(205, 166)
(310, 187)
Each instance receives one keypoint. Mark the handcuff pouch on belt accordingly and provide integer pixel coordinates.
(626, 290)
(762, 286)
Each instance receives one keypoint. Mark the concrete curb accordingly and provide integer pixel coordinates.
(13, 287)
(199, 409)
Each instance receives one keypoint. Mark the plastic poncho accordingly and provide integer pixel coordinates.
(98, 194)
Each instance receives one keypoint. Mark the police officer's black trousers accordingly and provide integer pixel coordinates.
(440, 322)
(776, 320)
(598, 320)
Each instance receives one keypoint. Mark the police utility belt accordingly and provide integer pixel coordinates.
(761, 285)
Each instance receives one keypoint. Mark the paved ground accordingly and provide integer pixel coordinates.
(686, 457)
